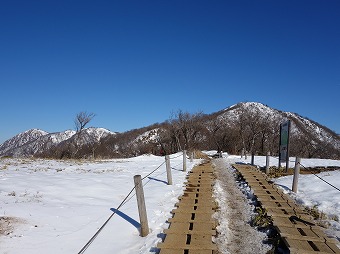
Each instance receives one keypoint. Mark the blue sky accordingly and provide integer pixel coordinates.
(132, 63)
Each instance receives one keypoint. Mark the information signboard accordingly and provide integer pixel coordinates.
(284, 141)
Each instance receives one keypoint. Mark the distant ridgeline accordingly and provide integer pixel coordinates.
(249, 126)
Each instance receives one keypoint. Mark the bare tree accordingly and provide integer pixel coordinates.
(186, 129)
(82, 119)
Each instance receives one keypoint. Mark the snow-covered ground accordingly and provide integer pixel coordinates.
(61, 204)
(58, 205)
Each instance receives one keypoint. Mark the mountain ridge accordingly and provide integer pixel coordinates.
(36, 141)
(244, 125)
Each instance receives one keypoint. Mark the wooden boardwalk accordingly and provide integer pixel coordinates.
(295, 226)
(192, 227)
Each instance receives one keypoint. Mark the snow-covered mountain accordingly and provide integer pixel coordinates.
(249, 124)
(42, 143)
(88, 136)
(300, 126)
(35, 141)
(148, 136)
(21, 139)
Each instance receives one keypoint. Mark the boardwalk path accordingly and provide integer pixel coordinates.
(295, 226)
(192, 227)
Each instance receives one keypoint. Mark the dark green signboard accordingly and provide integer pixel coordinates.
(284, 141)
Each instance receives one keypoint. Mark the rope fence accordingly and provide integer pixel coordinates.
(310, 170)
(322, 179)
(126, 199)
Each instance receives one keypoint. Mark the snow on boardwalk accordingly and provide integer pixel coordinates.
(235, 235)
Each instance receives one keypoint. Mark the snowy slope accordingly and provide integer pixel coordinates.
(148, 136)
(35, 141)
(299, 124)
(42, 143)
(89, 136)
(21, 139)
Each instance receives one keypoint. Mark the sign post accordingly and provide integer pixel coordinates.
(284, 144)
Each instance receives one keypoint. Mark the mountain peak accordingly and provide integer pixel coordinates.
(35, 141)
(21, 139)
(246, 105)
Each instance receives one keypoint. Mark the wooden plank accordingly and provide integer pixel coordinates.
(176, 251)
(193, 202)
(271, 198)
(270, 191)
(281, 213)
(298, 246)
(191, 217)
(195, 209)
(286, 222)
(333, 246)
(295, 226)
(187, 241)
(202, 228)
(304, 234)
(275, 204)
(200, 194)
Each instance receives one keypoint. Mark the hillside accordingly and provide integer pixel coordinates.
(246, 126)
(20, 140)
(251, 126)
(260, 119)
(37, 142)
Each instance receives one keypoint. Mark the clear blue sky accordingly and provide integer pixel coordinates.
(134, 62)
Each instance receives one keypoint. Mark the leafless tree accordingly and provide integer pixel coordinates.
(82, 119)
(186, 129)
(217, 132)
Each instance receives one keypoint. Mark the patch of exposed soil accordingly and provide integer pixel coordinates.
(8, 224)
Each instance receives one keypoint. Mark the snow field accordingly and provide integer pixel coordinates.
(59, 205)
(63, 203)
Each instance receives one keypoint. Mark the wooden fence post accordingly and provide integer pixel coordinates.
(296, 174)
(168, 169)
(184, 160)
(144, 231)
(267, 163)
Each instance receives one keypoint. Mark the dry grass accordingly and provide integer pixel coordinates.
(199, 155)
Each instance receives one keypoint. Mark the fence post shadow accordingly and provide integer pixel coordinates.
(133, 222)
(157, 180)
